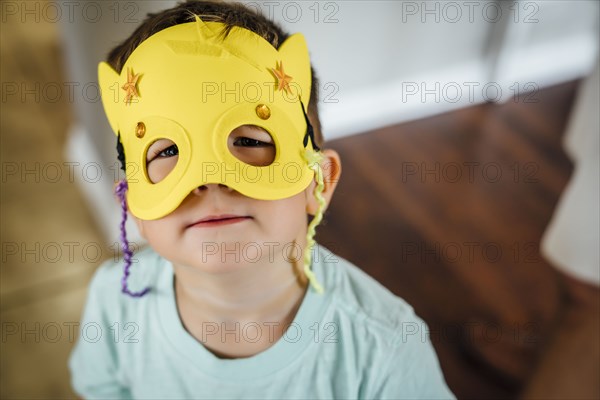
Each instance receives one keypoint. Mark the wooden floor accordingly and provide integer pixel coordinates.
(447, 212)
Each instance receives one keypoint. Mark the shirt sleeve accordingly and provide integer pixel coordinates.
(94, 364)
(411, 369)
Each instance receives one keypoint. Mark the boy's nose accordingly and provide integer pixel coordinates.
(211, 186)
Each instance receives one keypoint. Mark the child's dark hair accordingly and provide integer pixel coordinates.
(231, 15)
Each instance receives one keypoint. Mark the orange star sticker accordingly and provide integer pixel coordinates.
(130, 87)
(283, 80)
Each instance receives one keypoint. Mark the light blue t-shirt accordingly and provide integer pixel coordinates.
(357, 340)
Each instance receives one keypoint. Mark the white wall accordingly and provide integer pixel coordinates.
(559, 42)
(385, 62)
(366, 50)
(571, 239)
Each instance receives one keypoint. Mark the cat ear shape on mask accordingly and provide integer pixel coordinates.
(296, 61)
(110, 88)
(204, 30)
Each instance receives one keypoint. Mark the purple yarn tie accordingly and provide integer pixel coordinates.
(127, 253)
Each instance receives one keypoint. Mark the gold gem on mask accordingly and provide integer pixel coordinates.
(263, 111)
(140, 130)
(283, 80)
(130, 87)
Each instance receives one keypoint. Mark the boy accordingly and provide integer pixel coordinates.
(215, 110)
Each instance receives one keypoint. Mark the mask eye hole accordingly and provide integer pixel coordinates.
(161, 159)
(252, 145)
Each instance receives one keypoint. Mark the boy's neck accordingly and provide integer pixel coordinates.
(229, 302)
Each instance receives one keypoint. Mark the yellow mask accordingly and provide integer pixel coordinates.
(190, 85)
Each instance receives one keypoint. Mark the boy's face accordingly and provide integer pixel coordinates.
(217, 229)
(170, 100)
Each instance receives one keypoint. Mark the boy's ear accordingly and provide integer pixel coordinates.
(296, 62)
(331, 165)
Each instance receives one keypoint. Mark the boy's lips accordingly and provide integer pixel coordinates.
(217, 220)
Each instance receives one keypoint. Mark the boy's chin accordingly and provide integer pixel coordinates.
(230, 256)
(215, 265)
(224, 257)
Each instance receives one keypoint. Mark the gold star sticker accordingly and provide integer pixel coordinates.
(130, 87)
(283, 80)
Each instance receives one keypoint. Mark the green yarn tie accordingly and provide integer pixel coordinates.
(314, 159)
